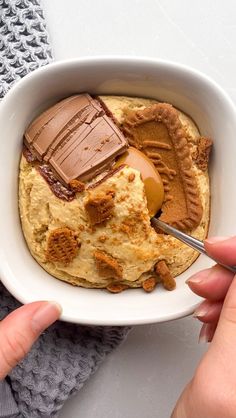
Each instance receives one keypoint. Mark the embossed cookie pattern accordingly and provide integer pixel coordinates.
(157, 131)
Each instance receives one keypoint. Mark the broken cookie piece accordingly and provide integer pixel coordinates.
(202, 153)
(164, 273)
(117, 287)
(149, 284)
(100, 207)
(107, 266)
(77, 186)
(62, 246)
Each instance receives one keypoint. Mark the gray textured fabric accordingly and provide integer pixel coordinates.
(24, 44)
(66, 354)
(8, 407)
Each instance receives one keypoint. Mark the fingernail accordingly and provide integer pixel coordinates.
(48, 313)
(200, 312)
(215, 240)
(198, 277)
(203, 336)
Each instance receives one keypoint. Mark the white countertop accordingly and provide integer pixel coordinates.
(144, 377)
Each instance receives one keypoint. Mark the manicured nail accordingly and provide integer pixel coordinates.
(203, 336)
(200, 312)
(215, 240)
(45, 315)
(198, 277)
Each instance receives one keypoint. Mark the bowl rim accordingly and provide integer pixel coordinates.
(107, 60)
(123, 59)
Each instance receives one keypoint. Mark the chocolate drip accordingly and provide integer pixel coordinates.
(61, 191)
(56, 186)
(30, 158)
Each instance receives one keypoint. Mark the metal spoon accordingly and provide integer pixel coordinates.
(187, 239)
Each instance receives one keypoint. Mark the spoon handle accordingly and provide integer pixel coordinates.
(187, 239)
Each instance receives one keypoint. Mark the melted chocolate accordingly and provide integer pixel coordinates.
(60, 191)
(56, 186)
(30, 158)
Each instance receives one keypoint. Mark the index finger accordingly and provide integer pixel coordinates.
(212, 283)
(222, 249)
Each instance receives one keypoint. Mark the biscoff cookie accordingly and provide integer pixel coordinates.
(62, 246)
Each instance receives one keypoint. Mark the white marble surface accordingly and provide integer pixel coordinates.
(144, 377)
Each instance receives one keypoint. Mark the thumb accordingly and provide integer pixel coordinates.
(20, 329)
(222, 249)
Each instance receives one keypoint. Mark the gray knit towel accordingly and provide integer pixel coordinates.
(66, 354)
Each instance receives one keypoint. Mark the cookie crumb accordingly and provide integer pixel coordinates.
(100, 208)
(117, 287)
(149, 284)
(202, 153)
(107, 266)
(112, 193)
(62, 246)
(102, 238)
(163, 271)
(131, 177)
(77, 186)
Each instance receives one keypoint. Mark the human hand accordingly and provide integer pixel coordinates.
(21, 328)
(211, 393)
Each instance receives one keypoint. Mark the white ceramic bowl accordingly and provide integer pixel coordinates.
(185, 88)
